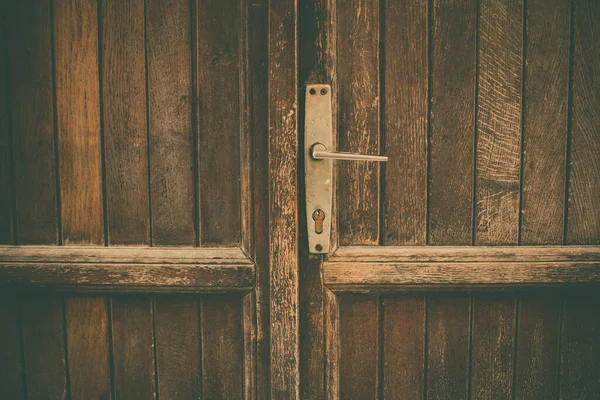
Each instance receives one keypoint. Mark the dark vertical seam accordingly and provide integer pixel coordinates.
(569, 138)
(195, 118)
(148, 148)
(59, 238)
(102, 138)
(111, 351)
(66, 349)
(476, 130)
(425, 346)
(523, 124)
(381, 349)
(154, 351)
(518, 305)
(22, 349)
(199, 311)
(245, 138)
(382, 121)
(561, 328)
(470, 347)
(429, 100)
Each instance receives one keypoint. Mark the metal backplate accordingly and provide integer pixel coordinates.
(318, 173)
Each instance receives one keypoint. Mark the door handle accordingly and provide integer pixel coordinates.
(318, 142)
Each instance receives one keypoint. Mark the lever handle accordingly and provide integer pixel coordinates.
(319, 151)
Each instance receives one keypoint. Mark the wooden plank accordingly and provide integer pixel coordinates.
(359, 347)
(78, 113)
(178, 347)
(12, 385)
(584, 186)
(6, 207)
(283, 195)
(249, 357)
(219, 124)
(331, 313)
(44, 346)
(537, 347)
(448, 332)
(88, 348)
(170, 100)
(33, 121)
(405, 122)
(545, 121)
(580, 349)
(222, 364)
(132, 347)
(493, 346)
(358, 121)
(499, 121)
(454, 33)
(404, 347)
(125, 135)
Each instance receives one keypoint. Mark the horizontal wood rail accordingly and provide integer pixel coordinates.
(394, 269)
(128, 269)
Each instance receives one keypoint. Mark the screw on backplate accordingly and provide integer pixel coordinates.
(323, 92)
(312, 91)
(319, 247)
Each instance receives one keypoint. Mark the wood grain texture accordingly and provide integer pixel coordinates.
(125, 134)
(219, 124)
(249, 357)
(33, 121)
(537, 347)
(246, 156)
(584, 194)
(222, 344)
(545, 121)
(178, 347)
(170, 102)
(499, 121)
(44, 346)
(12, 385)
(283, 197)
(358, 121)
(88, 348)
(78, 113)
(404, 347)
(448, 332)
(331, 313)
(454, 33)
(133, 347)
(6, 208)
(405, 123)
(359, 347)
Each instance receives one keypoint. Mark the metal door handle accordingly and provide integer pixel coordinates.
(318, 151)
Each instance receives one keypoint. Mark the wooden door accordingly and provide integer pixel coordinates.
(455, 263)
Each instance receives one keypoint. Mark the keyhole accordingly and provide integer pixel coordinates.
(318, 216)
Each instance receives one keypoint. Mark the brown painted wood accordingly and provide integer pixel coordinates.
(171, 138)
(545, 116)
(537, 347)
(222, 342)
(33, 121)
(405, 122)
(331, 313)
(499, 121)
(359, 347)
(44, 346)
(219, 125)
(6, 209)
(403, 347)
(249, 357)
(584, 187)
(358, 121)
(448, 347)
(88, 348)
(452, 128)
(178, 347)
(78, 114)
(11, 362)
(125, 133)
(132, 347)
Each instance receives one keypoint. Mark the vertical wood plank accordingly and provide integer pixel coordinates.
(537, 347)
(78, 113)
(11, 362)
(178, 347)
(584, 194)
(249, 358)
(6, 209)
(33, 121)
(170, 121)
(403, 347)
(448, 332)
(499, 121)
(283, 197)
(87, 348)
(133, 347)
(331, 311)
(222, 363)
(44, 346)
(359, 347)
(358, 120)
(219, 127)
(545, 121)
(125, 135)
(453, 36)
(405, 122)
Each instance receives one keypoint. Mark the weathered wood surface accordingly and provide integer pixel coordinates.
(6, 206)
(12, 383)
